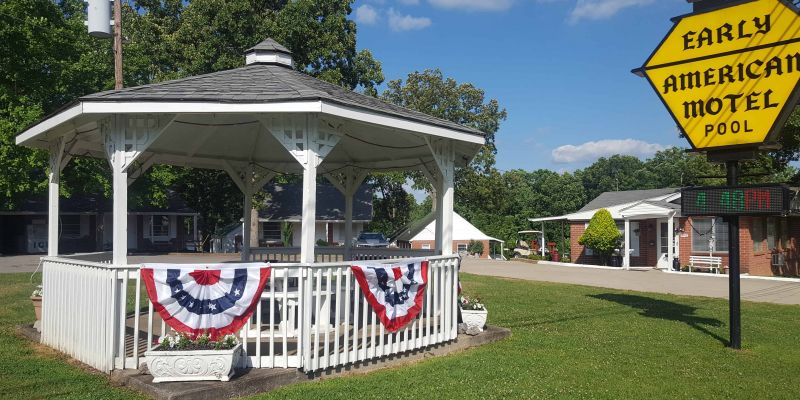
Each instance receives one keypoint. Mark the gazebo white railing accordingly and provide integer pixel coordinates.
(253, 122)
(310, 316)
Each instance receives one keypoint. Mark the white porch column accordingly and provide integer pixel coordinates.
(626, 256)
(348, 182)
(444, 155)
(54, 179)
(671, 242)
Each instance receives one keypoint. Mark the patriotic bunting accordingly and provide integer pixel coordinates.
(217, 299)
(395, 292)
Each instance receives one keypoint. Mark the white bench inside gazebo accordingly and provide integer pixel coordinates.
(254, 122)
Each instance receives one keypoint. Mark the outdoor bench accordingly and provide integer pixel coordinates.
(712, 263)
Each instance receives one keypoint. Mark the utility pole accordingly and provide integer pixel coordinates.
(117, 44)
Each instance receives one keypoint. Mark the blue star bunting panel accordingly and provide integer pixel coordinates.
(217, 299)
(395, 292)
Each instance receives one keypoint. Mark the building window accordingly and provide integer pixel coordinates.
(708, 230)
(777, 233)
(462, 247)
(159, 227)
(426, 246)
(758, 234)
(271, 231)
(70, 226)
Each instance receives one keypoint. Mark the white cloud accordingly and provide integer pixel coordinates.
(591, 151)
(366, 14)
(400, 22)
(601, 9)
(474, 5)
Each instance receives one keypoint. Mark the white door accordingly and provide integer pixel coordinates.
(663, 245)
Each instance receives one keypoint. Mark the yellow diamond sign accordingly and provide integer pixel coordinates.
(729, 77)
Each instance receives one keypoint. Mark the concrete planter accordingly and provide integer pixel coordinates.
(193, 365)
(37, 306)
(474, 320)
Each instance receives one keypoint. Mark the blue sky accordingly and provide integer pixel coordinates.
(560, 67)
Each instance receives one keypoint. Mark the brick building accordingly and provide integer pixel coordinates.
(656, 233)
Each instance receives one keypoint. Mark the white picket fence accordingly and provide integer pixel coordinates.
(311, 317)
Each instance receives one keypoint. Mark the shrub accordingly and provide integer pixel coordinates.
(475, 247)
(601, 235)
(322, 243)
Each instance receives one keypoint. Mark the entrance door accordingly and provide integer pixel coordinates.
(663, 245)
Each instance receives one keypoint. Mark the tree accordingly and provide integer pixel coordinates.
(479, 189)
(601, 235)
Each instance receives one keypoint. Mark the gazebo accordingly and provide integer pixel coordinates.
(253, 122)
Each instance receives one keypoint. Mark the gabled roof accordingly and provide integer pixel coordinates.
(264, 83)
(617, 202)
(425, 229)
(286, 203)
(608, 199)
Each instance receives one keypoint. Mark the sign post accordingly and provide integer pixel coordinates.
(729, 75)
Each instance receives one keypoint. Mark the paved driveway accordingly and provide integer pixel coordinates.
(781, 292)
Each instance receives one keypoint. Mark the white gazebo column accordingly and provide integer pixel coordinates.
(249, 179)
(54, 179)
(126, 139)
(626, 256)
(309, 142)
(444, 155)
(348, 183)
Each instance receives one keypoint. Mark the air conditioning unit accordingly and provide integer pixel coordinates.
(778, 259)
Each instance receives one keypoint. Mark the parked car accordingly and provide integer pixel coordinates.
(371, 239)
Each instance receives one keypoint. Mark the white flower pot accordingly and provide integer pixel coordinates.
(474, 319)
(192, 365)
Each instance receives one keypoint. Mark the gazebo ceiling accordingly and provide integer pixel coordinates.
(225, 116)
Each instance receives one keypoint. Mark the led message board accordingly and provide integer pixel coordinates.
(735, 200)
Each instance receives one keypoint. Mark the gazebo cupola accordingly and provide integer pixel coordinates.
(269, 52)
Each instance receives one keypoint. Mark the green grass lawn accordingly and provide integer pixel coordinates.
(568, 342)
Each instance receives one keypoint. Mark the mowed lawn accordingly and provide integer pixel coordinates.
(568, 342)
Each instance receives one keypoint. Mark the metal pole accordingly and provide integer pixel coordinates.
(734, 292)
(117, 44)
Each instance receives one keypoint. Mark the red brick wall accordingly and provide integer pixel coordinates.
(419, 243)
(577, 250)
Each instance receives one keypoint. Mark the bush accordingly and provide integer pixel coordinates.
(601, 235)
(475, 247)
(322, 243)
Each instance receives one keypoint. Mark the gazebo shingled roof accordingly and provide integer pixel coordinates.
(264, 83)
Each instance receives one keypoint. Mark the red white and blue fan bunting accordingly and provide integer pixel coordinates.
(395, 292)
(210, 298)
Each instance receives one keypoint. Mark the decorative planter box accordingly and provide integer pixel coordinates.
(192, 365)
(37, 306)
(475, 320)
